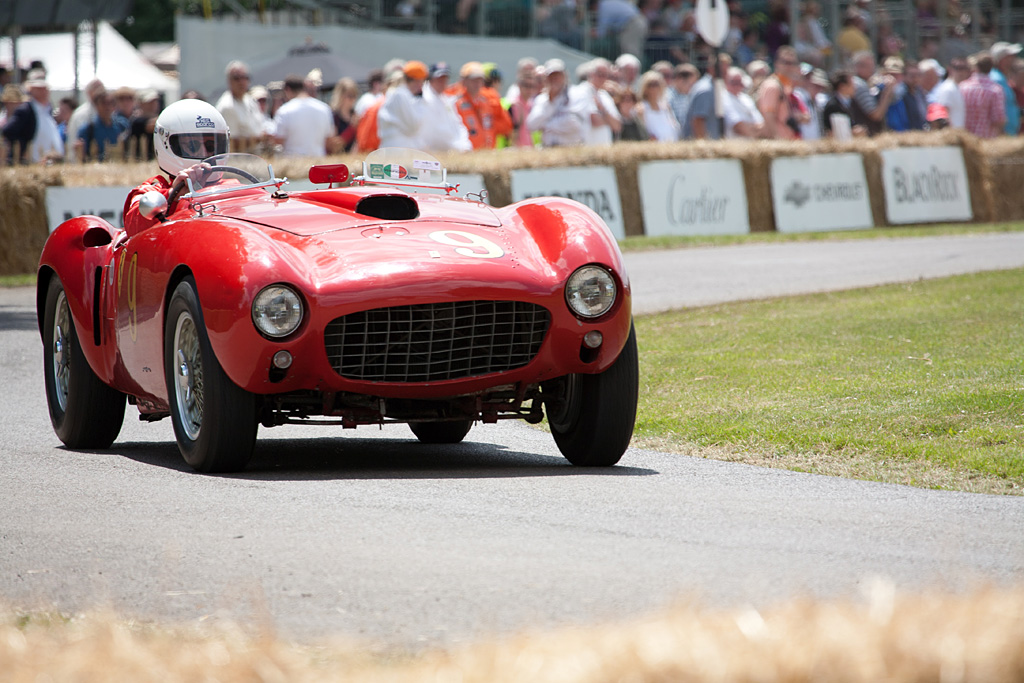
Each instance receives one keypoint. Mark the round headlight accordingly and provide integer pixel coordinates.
(277, 311)
(590, 291)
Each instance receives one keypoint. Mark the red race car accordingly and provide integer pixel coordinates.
(377, 302)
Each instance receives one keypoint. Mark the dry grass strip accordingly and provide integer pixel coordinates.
(886, 637)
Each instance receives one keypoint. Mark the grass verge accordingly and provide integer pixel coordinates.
(919, 384)
(17, 280)
(884, 637)
(684, 241)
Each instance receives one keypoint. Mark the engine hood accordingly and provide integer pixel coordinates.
(323, 211)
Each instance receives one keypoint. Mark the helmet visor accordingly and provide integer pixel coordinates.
(198, 145)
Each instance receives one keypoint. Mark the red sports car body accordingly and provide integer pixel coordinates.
(244, 304)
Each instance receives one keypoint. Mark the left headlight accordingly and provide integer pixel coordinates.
(590, 291)
(277, 311)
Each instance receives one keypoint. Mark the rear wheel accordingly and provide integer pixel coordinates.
(215, 420)
(441, 432)
(592, 416)
(85, 412)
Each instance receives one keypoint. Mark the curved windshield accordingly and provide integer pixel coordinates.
(402, 166)
(227, 172)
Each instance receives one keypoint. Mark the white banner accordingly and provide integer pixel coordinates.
(63, 203)
(925, 185)
(702, 197)
(594, 186)
(820, 192)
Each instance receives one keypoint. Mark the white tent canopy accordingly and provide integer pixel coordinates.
(117, 63)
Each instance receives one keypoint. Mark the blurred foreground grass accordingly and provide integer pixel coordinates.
(977, 636)
(919, 383)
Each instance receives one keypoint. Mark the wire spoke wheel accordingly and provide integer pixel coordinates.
(84, 411)
(61, 341)
(214, 419)
(188, 375)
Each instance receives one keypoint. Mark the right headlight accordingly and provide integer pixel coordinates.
(590, 291)
(277, 311)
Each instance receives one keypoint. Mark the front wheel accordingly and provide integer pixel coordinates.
(441, 432)
(215, 420)
(592, 416)
(85, 412)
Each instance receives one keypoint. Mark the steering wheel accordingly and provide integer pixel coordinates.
(176, 192)
(233, 169)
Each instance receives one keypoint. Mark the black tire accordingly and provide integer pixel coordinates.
(215, 420)
(85, 412)
(441, 432)
(592, 416)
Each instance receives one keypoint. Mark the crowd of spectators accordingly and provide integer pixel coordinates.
(785, 95)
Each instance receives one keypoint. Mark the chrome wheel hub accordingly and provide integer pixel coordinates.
(188, 375)
(61, 342)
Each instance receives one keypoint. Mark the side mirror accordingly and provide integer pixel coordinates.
(152, 204)
(328, 173)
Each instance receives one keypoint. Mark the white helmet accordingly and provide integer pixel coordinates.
(188, 131)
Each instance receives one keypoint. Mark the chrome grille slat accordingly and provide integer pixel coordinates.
(433, 342)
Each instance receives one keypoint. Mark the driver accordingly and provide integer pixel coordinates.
(186, 132)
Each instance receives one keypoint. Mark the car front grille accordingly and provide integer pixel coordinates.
(433, 342)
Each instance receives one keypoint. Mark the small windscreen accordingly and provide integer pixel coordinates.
(198, 145)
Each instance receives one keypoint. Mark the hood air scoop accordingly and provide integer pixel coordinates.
(389, 207)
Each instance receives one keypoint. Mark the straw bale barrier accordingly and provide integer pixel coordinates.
(995, 171)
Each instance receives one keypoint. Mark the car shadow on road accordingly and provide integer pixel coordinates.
(16, 318)
(378, 458)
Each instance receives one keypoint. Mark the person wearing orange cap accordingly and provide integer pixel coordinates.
(401, 116)
(481, 112)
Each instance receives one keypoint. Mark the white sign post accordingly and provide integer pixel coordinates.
(701, 197)
(594, 186)
(925, 185)
(820, 192)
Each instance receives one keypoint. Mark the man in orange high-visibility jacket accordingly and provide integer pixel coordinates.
(483, 115)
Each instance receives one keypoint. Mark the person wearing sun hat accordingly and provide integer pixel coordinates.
(11, 98)
(402, 115)
(31, 128)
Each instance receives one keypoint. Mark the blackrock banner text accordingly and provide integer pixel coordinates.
(703, 197)
(64, 203)
(925, 185)
(820, 192)
(594, 186)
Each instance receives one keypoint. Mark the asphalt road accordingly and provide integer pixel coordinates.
(373, 535)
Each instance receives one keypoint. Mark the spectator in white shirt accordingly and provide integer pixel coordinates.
(742, 117)
(603, 121)
(240, 110)
(374, 93)
(946, 92)
(654, 111)
(446, 131)
(84, 113)
(303, 124)
(403, 113)
(557, 112)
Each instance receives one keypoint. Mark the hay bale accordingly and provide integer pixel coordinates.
(23, 228)
(1003, 160)
(995, 171)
